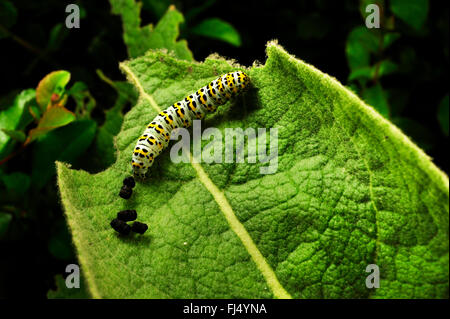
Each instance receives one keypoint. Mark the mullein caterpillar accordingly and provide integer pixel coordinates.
(181, 114)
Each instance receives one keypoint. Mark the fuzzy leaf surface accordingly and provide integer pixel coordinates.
(350, 190)
(163, 36)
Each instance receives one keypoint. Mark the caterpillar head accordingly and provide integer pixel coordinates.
(244, 80)
(139, 170)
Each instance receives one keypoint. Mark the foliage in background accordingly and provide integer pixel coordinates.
(371, 60)
(140, 39)
(36, 116)
(163, 36)
(214, 28)
(104, 142)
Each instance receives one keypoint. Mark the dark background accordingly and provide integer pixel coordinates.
(314, 31)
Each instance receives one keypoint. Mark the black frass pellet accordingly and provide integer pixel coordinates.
(129, 181)
(127, 215)
(120, 226)
(125, 192)
(139, 228)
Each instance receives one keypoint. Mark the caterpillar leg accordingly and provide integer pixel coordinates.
(139, 170)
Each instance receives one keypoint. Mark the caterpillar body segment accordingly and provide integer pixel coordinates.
(195, 106)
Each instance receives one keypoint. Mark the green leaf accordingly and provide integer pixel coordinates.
(77, 90)
(5, 220)
(56, 38)
(350, 190)
(385, 67)
(365, 73)
(157, 7)
(412, 12)
(34, 113)
(218, 29)
(11, 119)
(16, 183)
(84, 100)
(376, 97)
(140, 39)
(390, 38)
(64, 144)
(361, 42)
(51, 88)
(376, 71)
(443, 115)
(8, 17)
(193, 13)
(54, 117)
(18, 136)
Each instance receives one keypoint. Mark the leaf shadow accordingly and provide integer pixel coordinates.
(241, 107)
(135, 239)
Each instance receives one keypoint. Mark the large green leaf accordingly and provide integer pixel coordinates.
(350, 190)
(139, 39)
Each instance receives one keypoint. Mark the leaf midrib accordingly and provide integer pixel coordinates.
(236, 226)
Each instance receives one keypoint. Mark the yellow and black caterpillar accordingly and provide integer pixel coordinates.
(181, 114)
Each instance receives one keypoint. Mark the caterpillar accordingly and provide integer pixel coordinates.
(181, 114)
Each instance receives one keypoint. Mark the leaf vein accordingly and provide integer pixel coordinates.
(225, 207)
